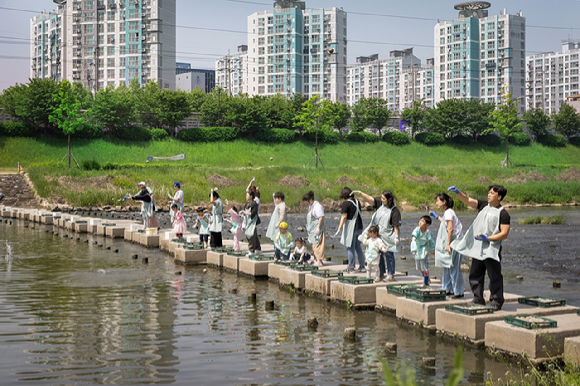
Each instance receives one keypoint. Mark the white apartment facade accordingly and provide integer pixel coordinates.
(232, 72)
(552, 77)
(100, 43)
(477, 55)
(292, 49)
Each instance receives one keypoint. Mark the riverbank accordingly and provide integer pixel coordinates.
(415, 173)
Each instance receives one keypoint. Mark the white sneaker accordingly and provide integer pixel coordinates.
(368, 274)
(249, 254)
(389, 278)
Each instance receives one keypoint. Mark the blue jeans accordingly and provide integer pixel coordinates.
(278, 254)
(356, 247)
(452, 280)
(390, 259)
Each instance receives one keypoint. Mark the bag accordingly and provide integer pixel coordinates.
(152, 222)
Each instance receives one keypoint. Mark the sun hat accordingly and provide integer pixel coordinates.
(142, 183)
(283, 225)
(176, 183)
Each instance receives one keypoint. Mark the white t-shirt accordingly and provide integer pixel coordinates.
(300, 251)
(179, 196)
(317, 210)
(450, 215)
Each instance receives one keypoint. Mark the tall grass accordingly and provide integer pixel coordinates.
(551, 220)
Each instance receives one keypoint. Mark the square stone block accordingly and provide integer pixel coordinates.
(472, 327)
(540, 344)
(388, 300)
(572, 350)
(163, 244)
(187, 256)
(81, 228)
(149, 241)
(47, 220)
(321, 285)
(275, 270)
(128, 235)
(101, 230)
(424, 312)
(215, 258)
(231, 262)
(254, 268)
(357, 294)
(115, 232)
(173, 247)
(297, 278)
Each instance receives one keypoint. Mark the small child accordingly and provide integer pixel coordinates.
(421, 244)
(236, 228)
(300, 252)
(202, 223)
(179, 225)
(283, 243)
(373, 246)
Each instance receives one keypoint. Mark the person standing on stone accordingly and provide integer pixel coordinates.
(216, 220)
(176, 199)
(278, 215)
(482, 242)
(351, 226)
(315, 227)
(152, 222)
(249, 220)
(146, 205)
(388, 218)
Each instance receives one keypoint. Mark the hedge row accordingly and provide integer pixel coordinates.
(208, 134)
(16, 129)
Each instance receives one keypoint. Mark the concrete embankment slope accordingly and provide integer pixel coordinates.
(17, 192)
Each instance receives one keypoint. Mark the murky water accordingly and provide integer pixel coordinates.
(72, 312)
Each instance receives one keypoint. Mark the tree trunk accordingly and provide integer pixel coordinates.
(69, 150)
(507, 150)
(316, 150)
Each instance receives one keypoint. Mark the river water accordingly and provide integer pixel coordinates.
(72, 312)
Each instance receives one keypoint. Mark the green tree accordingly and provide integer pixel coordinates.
(314, 118)
(247, 114)
(339, 116)
(67, 113)
(377, 113)
(214, 108)
(566, 121)
(278, 112)
(82, 94)
(475, 117)
(504, 119)
(359, 121)
(147, 106)
(537, 122)
(171, 109)
(113, 109)
(453, 117)
(196, 99)
(414, 116)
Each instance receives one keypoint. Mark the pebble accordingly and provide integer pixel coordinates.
(135, 256)
(391, 346)
(146, 260)
(349, 333)
(312, 323)
(233, 290)
(269, 305)
(205, 270)
(519, 277)
(428, 361)
(556, 284)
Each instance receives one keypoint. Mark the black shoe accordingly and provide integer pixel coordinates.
(458, 296)
(478, 303)
(448, 293)
(496, 307)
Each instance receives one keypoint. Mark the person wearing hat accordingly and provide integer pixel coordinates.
(146, 205)
(177, 199)
(283, 243)
(151, 221)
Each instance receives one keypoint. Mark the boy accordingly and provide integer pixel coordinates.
(482, 242)
(283, 243)
(421, 244)
(202, 224)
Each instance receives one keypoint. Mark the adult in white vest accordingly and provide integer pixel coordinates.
(278, 216)
(315, 227)
(176, 199)
(351, 226)
(217, 220)
(482, 242)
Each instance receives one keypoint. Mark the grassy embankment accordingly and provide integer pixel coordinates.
(415, 173)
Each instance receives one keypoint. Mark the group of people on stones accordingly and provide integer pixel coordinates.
(381, 238)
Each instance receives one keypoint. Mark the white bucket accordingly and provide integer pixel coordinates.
(135, 227)
(151, 231)
(95, 221)
(192, 238)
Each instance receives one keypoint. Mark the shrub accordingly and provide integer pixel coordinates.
(276, 135)
(91, 165)
(117, 166)
(89, 131)
(324, 136)
(575, 141)
(553, 140)
(396, 138)
(123, 183)
(489, 140)
(208, 134)
(362, 136)
(461, 139)
(16, 129)
(430, 139)
(134, 133)
(159, 134)
(520, 139)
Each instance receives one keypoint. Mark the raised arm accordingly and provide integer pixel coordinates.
(464, 198)
(366, 197)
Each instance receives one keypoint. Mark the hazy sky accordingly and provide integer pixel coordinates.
(208, 29)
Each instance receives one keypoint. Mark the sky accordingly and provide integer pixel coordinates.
(208, 29)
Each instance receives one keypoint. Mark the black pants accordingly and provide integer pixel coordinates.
(215, 239)
(477, 279)
(254, 242)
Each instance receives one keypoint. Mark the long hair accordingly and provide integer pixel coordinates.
(390, 198)
(446, 199)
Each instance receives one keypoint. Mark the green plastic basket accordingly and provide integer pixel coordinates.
(303, 267)
(538, 322)
(286, 263)
(262, 257)
(111, 224)
(236, 253)
(542, 301)
(425, 294)
(469, 309)
(400, 288)
(355, 280)
(327, 273)
(81, 222)
(179, 240)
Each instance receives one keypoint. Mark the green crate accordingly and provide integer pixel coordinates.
(262, 257)
(46, 215)
(469, 309)
(236, 253)
(181, 240)
(140, 231)
(192, 247)
(56, 217)
(541, 301)
(425, 294)
(223, 249)
(400, 288)
(82, 222)
(355, 280)
(111, 224)
(519, 320)
(578, 312)
(326, 273)
(303, 267)
(286, 263)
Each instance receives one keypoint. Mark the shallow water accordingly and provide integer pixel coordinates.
(75, 313)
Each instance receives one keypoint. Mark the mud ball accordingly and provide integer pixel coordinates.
(271, 158)
(205, 270)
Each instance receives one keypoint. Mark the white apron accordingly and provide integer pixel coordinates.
(217, 219)
(442, 258)
(312, 225)
(486, 223)
(203, 227)
(382, 218)
(272, 229)
(349, 227)
(249, 225)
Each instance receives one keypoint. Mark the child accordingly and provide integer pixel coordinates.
(236, 228)
(283, 243)
(300, 252)
(373, 246)
(179, 225)
(422, 243)
(450, 260)
(202, 224)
